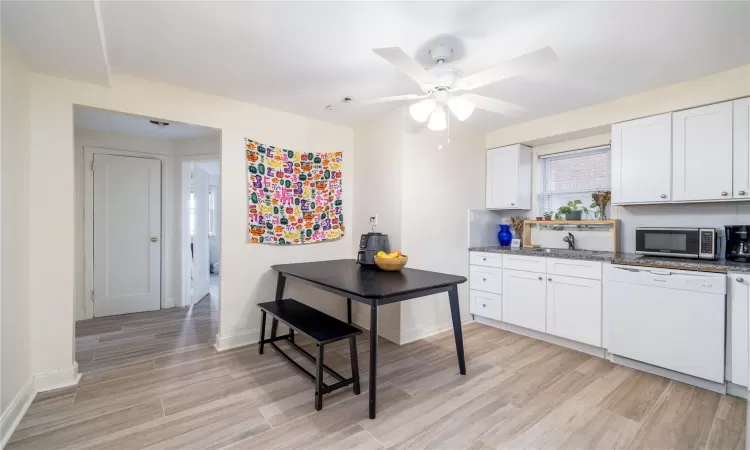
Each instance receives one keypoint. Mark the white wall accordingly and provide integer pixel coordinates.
(246, 275)
(421, 195)
(377, 178)
(439, 187)
(15, 321)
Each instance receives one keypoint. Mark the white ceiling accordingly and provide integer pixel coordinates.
(104, 120)
(300, 56)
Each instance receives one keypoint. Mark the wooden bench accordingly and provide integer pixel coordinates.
(322, 329)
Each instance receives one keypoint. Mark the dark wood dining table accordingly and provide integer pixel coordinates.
(374, 287)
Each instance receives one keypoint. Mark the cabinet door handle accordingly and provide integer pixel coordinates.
(484, 279)
(484, 305)
(740, 279)
(512, 204)
(540, 278)
(549, 279)
(740, 192)
(484, 259)
(663, 195)
(723, 193)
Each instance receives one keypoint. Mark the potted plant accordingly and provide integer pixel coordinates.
(573, 210)
(548, 215)
(601, 200)
(516, 223)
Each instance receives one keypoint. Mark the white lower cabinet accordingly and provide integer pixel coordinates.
(737, 351)
(574, 309)
(524, 298)
(486, 304)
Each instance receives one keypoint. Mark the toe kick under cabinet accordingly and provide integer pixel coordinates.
(561, 297)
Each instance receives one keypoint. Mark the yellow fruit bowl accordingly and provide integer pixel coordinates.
(391, 264)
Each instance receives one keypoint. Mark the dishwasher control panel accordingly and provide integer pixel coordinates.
(686, 280)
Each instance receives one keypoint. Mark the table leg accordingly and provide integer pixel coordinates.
(280, 283)
(373, 354)
(262, 330)
(457, 333)
(348, 310)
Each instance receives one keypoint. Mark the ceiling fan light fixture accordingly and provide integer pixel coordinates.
(461, 107)
(438, 120)
(420, 111)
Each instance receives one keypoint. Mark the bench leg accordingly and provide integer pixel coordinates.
(291, 335)
(319, 379)
(262, 331)
(274, 326)
(355, 364)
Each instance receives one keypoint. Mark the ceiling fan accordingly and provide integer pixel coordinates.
(440, 84)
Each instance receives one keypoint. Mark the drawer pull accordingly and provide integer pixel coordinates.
(663, 195)
(540, 278)
(740, 279)
(741, 192)
(724, 193)
(484, 305)
(484, 259)
(549, 279)
(484, 279)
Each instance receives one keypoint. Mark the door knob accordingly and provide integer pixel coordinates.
(663, 195)
(740, 192)
(740, 279)
(154, 239)
(723, 193)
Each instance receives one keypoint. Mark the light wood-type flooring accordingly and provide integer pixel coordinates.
(154, 380)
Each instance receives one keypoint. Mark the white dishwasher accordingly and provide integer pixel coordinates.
(669, 318)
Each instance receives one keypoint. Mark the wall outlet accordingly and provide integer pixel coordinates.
(374, 220)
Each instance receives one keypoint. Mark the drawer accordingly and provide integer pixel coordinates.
(487, 279)
(574, 268)
(536, 264)
(486, 305)
(486, 259)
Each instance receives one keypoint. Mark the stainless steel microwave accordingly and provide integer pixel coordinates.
(697, 243)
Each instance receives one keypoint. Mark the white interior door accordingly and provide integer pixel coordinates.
(201, 253)
(127, 234)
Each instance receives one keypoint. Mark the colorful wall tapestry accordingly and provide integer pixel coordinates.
(293, 197)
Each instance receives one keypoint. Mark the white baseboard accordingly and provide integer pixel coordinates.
(57, 379)
(580, 346)
(11, 417)
(235, 340)
(721, 388)
(736, 390)
(421, 332)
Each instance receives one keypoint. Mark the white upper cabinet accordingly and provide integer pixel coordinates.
(642, 160)
(702, 153)
(741, 149)
(509, 177)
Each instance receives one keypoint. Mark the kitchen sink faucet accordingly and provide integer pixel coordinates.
(571, 240)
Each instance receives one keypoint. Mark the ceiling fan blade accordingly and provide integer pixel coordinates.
(404, 63)
(494, 105)
(394, 98)
(528, 62)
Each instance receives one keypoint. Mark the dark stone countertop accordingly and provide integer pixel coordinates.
(626, 259)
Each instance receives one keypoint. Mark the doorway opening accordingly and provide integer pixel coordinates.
(201, 252)
(130, 279)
